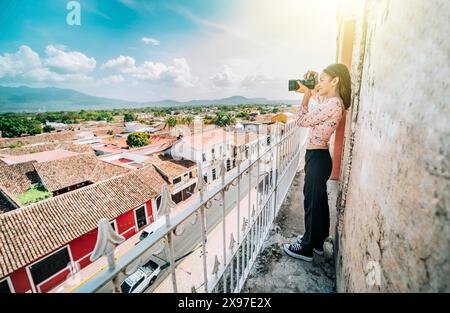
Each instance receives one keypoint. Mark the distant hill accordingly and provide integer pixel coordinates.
(26, 99)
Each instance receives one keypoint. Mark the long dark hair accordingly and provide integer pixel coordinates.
(345, 84)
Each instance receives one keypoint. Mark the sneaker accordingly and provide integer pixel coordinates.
(295, 250)
(317, 251)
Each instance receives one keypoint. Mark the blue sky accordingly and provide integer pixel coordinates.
(166, 49)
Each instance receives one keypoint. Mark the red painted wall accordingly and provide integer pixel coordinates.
(79, 248)
(125, 221)
(337, 154)
(84, 262)
(54, 281)
(20, 280)
(83, 245)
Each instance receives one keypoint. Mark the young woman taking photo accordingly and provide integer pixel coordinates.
(332, 94)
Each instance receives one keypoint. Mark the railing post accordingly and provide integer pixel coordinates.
(172, 262)
(204, 239)
(224, 239)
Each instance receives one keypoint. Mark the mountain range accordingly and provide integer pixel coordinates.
(27, 99)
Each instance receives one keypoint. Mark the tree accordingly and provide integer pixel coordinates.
(129, 117)
(208, 119)
(187, 119)
(138, 139)
(224, 119)
(243, 115)
(48, 128)
(15, 127)
(171, 121)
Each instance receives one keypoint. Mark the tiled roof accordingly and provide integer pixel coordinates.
(171, 167)
(18, 178)
(46, 147)
(39, 156)
(59, 174)
(202, 140)
(28, 233)
(41, 138)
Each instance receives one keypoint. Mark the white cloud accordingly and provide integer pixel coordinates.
(112, 79)
(69, 62)
(26, 66)
(150, 41)
(178, 72)
(224, 78)
(255, 80)
(122, 64)
(14, 64)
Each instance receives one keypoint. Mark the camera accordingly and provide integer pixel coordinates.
(309, 83)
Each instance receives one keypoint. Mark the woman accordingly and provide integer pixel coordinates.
(332, 93)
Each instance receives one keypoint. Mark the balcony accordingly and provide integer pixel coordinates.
(274, 271)
(210, 242)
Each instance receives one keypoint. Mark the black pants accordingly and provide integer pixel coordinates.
(318, 166)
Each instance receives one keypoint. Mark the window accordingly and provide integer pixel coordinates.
(177, 198)
(5, 287)
(228, 165)
(212, 151)
(214, 174)
(205, 178)
(49, 266)
(137, 284)
(220, 151)
(176, 180)
(141, 219)
(204, 157)
(268, 140)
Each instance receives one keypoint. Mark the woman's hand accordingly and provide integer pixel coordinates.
(302, 88)
(308, 74)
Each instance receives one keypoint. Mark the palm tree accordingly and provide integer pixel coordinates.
(171, 121)
(187, 119)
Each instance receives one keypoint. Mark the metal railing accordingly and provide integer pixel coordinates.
(267, 178)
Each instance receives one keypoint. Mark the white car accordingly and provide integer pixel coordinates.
(144, 277)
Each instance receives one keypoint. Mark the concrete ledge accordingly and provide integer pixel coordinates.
(274, 271)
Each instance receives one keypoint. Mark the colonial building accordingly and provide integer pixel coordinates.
(39, 243)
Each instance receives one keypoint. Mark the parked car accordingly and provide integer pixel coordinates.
(140, 280)
(142, 236)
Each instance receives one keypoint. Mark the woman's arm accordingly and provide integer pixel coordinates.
(318, 115)
(307, 93)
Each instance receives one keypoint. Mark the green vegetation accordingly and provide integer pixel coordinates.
(33, 195)
(16, 144)
(223, 119)
(171, 121)
(48, 128)
(129, 117)
(243, 115)
(138, 139)
(187, 119)
(19, 126)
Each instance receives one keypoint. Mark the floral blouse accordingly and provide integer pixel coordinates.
(323, 120)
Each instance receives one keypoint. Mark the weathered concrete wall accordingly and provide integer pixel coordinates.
(394, 194)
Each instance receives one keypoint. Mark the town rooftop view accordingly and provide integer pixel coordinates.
(110, 185)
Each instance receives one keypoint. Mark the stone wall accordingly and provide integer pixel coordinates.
(393, 202)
